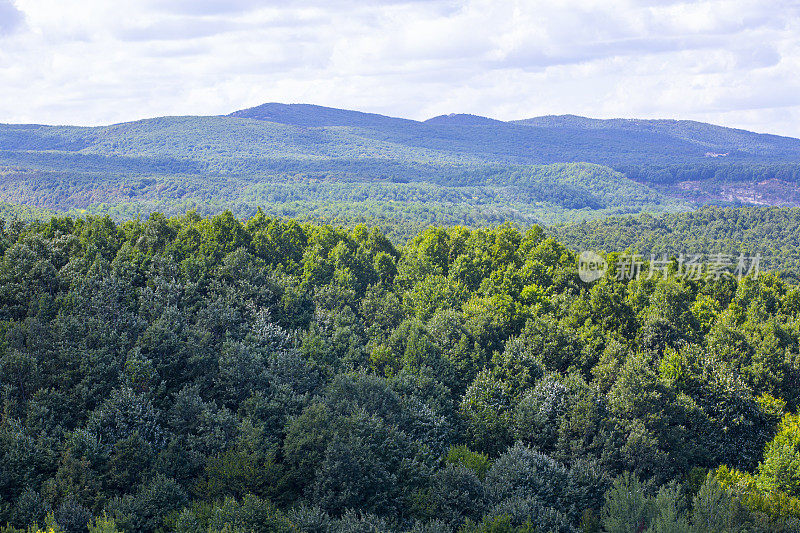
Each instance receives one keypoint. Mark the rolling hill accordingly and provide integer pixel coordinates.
(319, 162)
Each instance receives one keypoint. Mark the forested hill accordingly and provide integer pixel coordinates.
(770, 231)
(718, 139)
(204, 374)
(552, 139)
(304, 159)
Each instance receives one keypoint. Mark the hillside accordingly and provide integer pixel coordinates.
(772, 232)
(205, 374)
(467, 165)
(16, 212)
(716, 139)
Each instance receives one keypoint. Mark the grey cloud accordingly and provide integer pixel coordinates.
(188, 26)
(568, 54)
(206, 7)
(10, 17)
(757, 57)
(158, 50)
(773, 94)
(220, 7)
(177, 29)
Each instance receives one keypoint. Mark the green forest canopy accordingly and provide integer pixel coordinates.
(207, 374)
(772, 232)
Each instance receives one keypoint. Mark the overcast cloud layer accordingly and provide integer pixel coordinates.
(89, 62)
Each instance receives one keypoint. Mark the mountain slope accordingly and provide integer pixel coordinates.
(462, 119)
(772, 232)
(308, 115)
(713, 137)
(235, 161)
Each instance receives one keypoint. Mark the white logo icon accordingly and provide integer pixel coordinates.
(591, 266)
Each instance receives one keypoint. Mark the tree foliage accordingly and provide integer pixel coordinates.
(205, 374)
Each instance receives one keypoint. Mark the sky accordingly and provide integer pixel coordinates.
(90, 62)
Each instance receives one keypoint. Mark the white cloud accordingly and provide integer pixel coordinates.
(732, 62)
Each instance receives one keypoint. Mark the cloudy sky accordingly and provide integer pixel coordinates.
(732, 62)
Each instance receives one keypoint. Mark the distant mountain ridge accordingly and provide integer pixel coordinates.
(464, 119)
(542, 168)
(700, 135)
(699, 132)
(310, 115)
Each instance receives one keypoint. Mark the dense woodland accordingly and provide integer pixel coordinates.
(773, 232)
(11, 212)
(205, 374)
(459, 195)
(323, 163)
